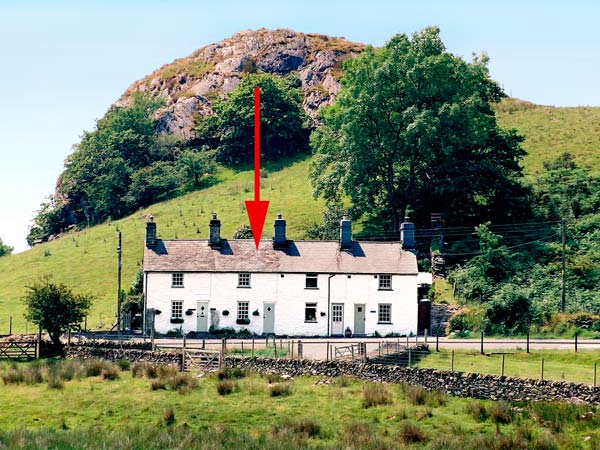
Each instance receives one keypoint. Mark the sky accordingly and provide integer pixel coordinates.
(63, 63)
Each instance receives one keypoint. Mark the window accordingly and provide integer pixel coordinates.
(243, 311)
(385, 313)
(311, 281)
(244, 280)
(310, 312)
(385, 282)
(177, 280)
(176, 309)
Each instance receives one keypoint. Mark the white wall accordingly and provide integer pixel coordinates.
(290, 296)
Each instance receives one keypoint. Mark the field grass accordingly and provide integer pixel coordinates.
(559, 365)
(86, 259)
(551, 131)
(344, 413)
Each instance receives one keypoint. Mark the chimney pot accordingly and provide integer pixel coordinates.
(407, 234)
(279, 239)
(214, 232)
(150, 232)
(345, 232)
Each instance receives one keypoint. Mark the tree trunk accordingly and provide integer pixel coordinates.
(56, 343)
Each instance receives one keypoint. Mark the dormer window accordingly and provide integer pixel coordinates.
(177, 280)
(243, 280)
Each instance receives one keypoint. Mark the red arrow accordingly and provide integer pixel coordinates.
(257, 208)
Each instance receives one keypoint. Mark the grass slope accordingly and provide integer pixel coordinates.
(86, 259)
(551, 131)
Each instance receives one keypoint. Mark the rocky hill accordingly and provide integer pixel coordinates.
(189, 85)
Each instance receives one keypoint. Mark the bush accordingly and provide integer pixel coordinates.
(343, 381)
(137, 369)
(410, 432)
(169, 417)
(55, 383)
(150, 371)
(306, 427)
(123, 364)
(167, 371)
(94, 367)
(14, 375)
(418, 395)
(477, 410)
(157, 384)
(376, 394)
(501, 412)
(231, 374)
(32, 374)
(280, 390)
(183, 383)
(110, 372)
(68, 370)
(556, 415)
(225, 387)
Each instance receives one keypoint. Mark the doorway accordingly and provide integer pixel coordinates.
(269, 318)
(359, 319)
(202, 317)
(337, 319)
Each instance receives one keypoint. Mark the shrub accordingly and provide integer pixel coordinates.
(410, 432)
(306, 427)
(501, 412)
(183, 383)
(55, 383)
(225, 387)
(110, 372)
(123, 364)
(231, 374)
(280, 390)
(169, 417)
(138, 369)
(32, 374)
(376, 394)
(477, 410)
(274, 378)
(167, 371)
(150, 371)
(343, 381)
(68, 369)
(556, 415)
(417, 395)
(94, 367)
(14, 375)
(157, 384)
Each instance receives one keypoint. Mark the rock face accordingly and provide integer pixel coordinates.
(190, 85)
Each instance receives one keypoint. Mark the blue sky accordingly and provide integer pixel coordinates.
(63, 63)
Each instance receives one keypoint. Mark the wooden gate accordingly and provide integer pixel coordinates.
(196, 359)
(18, 350)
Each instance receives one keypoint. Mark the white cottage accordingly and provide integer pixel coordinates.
(294, 288)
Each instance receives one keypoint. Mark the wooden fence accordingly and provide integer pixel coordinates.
(19, 350)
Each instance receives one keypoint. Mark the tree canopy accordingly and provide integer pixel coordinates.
(5, 249)
(230, 130)
(413, 125)
(54, 307)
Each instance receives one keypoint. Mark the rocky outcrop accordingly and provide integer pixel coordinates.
(190, 85)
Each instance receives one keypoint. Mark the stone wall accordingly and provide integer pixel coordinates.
(130, 354)
(459, 384)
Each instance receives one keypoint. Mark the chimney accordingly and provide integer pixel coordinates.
(150, 232)
(214, 233)
(345, 232)
(279, 240)
(407, 234)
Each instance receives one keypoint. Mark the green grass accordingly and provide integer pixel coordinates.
(86, 259)
(128, 413)
(559, 365)
(551, 131)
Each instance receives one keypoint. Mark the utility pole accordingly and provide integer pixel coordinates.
(563, 302)
(119, 288)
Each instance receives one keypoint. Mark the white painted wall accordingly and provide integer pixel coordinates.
(290, 296)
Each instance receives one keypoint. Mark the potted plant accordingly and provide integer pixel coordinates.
(348, 332)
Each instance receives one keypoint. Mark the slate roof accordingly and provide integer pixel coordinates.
(299, 257)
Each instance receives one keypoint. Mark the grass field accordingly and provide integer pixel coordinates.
(123, 411)
(559, 365)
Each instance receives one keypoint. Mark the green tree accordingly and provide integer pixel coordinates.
(413, 125)
(153, 183)
(243, 232)
(5, 249)
(54, 307)
(196, 167)
(329, 228)
(231, 128)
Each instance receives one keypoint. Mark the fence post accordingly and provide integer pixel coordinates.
(352, 350)
(152, 337)
(223, 347)
(527, 339)
(292, 354)
(379, 347)
(502, 372)
(280, 345)
(242, 349)
(595, 364)
(10, 326)
(183, 345)
(203, 344)
(327, 357)
(85, 326)
(407, 344)
(38, 343)
(452, 363)
(253, 347)
(409, 358)
(274, 348)
(542, 378)
(482, 352)
(426, 333)
(437, 340)
(300, 349)
(576, 333)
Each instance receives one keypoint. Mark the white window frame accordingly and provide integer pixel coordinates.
(312, 276)
(385, 282)
(384, 309)
(307, 306)
(243, 310)
(177, 280)
(244, 280)
(176, 309)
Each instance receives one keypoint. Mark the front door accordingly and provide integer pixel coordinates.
(269, 318)
(359, 319)
(202, 317)
(337, 319)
